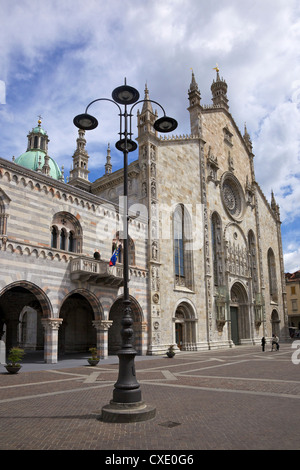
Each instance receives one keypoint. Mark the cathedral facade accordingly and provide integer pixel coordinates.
(205, 252)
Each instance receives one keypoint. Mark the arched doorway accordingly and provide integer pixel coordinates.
(275, 322)
(22, 307)
(76, 333)
(114, 332)
(239, 314)
(185, 329)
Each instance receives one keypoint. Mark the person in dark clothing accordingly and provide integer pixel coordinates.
(263, 343)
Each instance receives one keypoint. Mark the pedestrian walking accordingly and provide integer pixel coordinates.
(273, 342)
(263, 343)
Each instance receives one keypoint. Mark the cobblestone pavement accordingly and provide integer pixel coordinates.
(230, 399)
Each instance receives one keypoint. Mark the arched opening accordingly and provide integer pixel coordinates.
(114, 332)
(239, 314)
(76, 333)
(22, 306)
(185, 327)
(275, 321)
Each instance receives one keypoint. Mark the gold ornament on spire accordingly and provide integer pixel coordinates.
(216, 68)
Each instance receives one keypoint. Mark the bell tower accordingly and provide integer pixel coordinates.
(79, 174)
(219, 91)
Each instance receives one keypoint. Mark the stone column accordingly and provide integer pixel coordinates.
(102, 327)
(51, 326)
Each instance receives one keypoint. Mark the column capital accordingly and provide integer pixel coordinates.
(102, 324)
(52, 323)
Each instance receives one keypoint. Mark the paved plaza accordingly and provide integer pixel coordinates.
(230, 399)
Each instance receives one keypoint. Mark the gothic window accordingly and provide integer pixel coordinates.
(272, 276)
(178, 242)
(182, 247)
(66, 232)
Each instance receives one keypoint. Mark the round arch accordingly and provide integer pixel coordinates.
(79, 309)
(41, 296)
(23, 305)
(92, 299)
(185, 325)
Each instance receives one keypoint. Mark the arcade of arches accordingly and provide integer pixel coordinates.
(25, 321)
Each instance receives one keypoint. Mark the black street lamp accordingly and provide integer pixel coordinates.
(127, 404)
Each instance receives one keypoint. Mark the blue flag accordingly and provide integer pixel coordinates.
(114, 257)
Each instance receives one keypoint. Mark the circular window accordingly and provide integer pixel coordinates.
(232, 195)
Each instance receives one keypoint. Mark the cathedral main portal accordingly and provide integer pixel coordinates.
(239, 314)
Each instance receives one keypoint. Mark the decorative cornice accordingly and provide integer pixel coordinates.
(52, 184)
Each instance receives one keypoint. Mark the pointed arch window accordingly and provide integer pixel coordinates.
(272, 276)
(178, 242)
(182, 239)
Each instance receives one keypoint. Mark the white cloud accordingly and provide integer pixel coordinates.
(291, 261)
(57, 56)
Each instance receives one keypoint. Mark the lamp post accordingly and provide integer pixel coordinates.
(127, 404)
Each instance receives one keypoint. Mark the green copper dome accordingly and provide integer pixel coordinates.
(35, 159)
(38, 130)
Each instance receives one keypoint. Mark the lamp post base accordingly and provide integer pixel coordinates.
(127, 412)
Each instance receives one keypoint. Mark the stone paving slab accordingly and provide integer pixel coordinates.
(237, 399)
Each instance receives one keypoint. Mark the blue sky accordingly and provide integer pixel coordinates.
(57, 56)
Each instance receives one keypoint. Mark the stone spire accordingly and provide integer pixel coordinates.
(194, 93)
(147, 117)
(108, 165)
(247, 139)
(219, 91)
(147, 106)
(195, 108)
